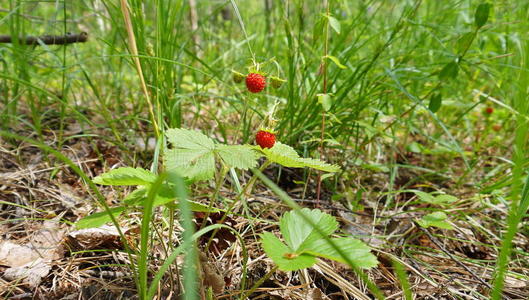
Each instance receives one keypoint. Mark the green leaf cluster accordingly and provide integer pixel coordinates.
(288, 157)
(436, 219)
(144, 180)
(193, 155)
(304, 243)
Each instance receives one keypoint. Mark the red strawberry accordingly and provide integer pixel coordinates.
(496, 127)
(489, 110)
(255, 82)
(265, 139)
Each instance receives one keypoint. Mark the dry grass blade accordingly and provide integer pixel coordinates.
(328, 272)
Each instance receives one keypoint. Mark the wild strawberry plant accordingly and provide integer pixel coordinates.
(194, 156)
(306, 234)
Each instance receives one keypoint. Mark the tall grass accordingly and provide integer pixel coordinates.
(393, 52)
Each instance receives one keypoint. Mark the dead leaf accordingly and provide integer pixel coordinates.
(31, 273)
(106, 237)
(32, 262)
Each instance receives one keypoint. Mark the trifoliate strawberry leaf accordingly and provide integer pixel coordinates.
(283, 256)
(238, 156)
(193, 155)
(288, 157)
(298, 233)
(357, 252)
(195, 164)
(189, 139)
(99, 218)
(436, 219)
(126, 176)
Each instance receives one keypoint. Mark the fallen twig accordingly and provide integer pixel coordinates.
(48, 39)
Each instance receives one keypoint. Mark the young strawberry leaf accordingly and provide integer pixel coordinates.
(189, 139)
(358, 252)
(238, 156)
(304, 242)
(283, 256)
(298, 233)
(436, 219)
(193, 155)
(126, 176)
(195, 164)
(288, 157)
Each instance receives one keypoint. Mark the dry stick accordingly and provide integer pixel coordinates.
(436, 242)
(193, 15)
(48, 39)
(135, 57)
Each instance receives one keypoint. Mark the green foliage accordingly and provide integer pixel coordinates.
(449, 71)
(194, 154)
(435, 102)
(126, 176)
(335, 24)
(482, 14)
(436, 219)
(304, 242)
(325, 100)
(286, 156)
(100, 218)
(434, 199)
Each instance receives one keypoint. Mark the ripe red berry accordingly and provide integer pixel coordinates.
(489, 110)
(496, 127)
(265, 139)
(255, 82)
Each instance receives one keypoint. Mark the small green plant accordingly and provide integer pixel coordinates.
(305, 242)
(436, 219)
(195, 157)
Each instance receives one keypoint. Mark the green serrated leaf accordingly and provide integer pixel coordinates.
(126, 176)
(136, 196)
(195, 164)
(358, 252)
(335, 24)
(99, 218)
(189, 139)
(298, 233)
(449, 71)
(482, 14)
(336, 61)
(238, 156)
(435, 102)
(325, 100)
(286, 156)
(436, 219)
(283, 256)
